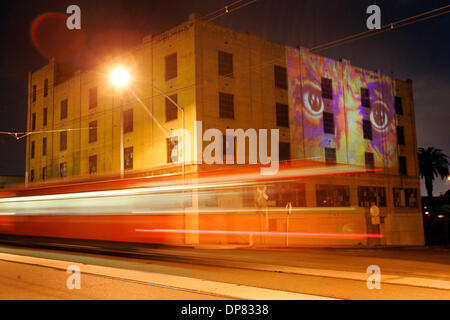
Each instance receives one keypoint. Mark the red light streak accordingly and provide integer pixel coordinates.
(268, 233)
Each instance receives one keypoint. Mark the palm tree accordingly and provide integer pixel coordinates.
(432, 164)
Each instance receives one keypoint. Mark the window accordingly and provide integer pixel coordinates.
(92, 98)
(33, 147)
(283, 193)
(369, 160)
(367, 129)
(128, 158)
(34, 93)
(226, 105)
(398, 106)
(44, 173)
(44, 146)
(32, 175)
(400, 135)
(93, 131)
(63, 169)
(225, 64)
(128, 121)
(93, 164)
(330, 156)
(171, 108)
(172, 149)
(328, 122)
(44, 122)
(45, 87)
(365, 97)
(209, 198)
(327, 88)
(171, 66)
(411, 198)
(284, 151)
(63, 141)
(280, 77)
(402, 166)
(282, 115)
(405, 198)
(368, 196)
(64, 104)
(228, 147)
(33, 121)
(332, 196)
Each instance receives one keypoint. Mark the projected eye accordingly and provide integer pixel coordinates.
(380, 116)
(312, 100)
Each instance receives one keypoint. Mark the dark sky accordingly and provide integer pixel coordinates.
(419, 52)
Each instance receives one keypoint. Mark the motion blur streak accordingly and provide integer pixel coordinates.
(291, 234)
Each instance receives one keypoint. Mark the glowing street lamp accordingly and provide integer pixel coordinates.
(120, 78)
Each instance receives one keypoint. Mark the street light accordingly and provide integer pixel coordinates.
(120, 78)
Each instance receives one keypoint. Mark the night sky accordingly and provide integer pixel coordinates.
(419, 52)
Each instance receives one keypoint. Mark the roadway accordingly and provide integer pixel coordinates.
(168, 273)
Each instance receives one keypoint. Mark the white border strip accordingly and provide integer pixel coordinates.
(235, 291)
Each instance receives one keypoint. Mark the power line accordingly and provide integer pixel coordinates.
(227, 9)
(384, 28)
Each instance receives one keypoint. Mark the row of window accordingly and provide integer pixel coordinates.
(328, 196)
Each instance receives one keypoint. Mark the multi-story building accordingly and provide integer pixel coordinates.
(326, 110)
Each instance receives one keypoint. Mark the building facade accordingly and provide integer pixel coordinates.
(325, 110)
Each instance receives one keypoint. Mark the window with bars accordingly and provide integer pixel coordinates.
(63, 141)
(369, 160)
(400, 135)
(44, 146)
(284, 151)
(172, 149)
(33, 121)
(398, 106)
(93, 164)
(92, 98)
(282, 115)
(171, 66)
(280, 77)
(64, 106)
(405, 197)
(128, 158)
(45, 87)
(225, 64)
(365, 97)
(93, 131)
(171, 108)
(33, 149)
(402, 166)
(226, 105)
(128, 121)
(332, 196)
(327, 88)
(283, 193)
(44, 120)
(228, 147)
(368, 196)
(34, 93)
(328, 122)
(330, 156)
(367, 129)
(63, 169)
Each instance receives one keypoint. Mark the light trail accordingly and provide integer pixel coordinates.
(268, 233)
